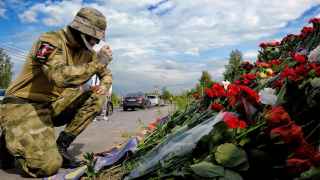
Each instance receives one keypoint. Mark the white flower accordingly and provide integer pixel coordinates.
(314, 55)
(225, 84)
(267, 96)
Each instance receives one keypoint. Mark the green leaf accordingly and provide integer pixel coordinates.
(281, 94)
(230, 175)
(229, 155)
(313, 174)
(207, 169)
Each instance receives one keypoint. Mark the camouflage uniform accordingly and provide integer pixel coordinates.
(47, 94)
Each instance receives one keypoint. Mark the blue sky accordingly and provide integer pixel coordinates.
(161, 43)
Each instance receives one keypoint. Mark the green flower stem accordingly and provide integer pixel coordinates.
(251, 130)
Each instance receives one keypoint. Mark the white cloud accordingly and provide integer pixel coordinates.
(252, 54)
(154, 41)
(2, 12)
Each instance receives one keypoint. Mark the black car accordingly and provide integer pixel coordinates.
(2, 93)
(135, 100)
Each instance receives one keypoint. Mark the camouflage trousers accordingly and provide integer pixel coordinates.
(29, 128)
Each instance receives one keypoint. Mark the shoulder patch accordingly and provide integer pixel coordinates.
(44, 51)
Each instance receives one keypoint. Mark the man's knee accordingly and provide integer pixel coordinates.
(52, 164)
(43, 166)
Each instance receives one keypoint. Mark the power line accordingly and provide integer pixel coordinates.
(8, 46)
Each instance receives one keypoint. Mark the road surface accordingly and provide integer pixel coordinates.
(103, 135)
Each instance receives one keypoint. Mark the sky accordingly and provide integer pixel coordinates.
(161, 43)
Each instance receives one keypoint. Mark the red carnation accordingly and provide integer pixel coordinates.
(263, 45)
(232, 121)
(218, 90)
(196, 95)
(275, 62)
(299, 57)
(252, 94)
(262, 64)
(242, 124)
(209, 92)
(277, 116)
(249, 76)
(217, 106)
(314, 20)
(233, 90)
(298, 166)
(305, 150)
(232, 94)
(290, 74)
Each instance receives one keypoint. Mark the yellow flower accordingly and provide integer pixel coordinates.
(263, 75)
(269, 72)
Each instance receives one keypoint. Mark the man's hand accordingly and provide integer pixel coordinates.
(105, 55)
(101, 90)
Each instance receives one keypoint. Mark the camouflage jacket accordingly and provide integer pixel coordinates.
(55, 62)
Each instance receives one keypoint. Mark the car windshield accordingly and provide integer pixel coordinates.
(152, 97)
(2, 92)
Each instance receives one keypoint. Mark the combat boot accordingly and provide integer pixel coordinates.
(7, 161)
(63, 142)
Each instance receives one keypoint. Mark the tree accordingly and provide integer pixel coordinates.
(205, 81)
(166, 95)
(232, 69)
(5, 69)
(115, 99)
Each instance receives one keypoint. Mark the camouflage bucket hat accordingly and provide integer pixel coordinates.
(91, 22)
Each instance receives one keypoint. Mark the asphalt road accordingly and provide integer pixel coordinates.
(103, 135)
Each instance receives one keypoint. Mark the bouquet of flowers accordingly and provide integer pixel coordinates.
(263, 125)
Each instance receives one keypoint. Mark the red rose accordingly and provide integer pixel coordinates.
(217, 106)
(277, 116)
(288, 133)
(297, 166)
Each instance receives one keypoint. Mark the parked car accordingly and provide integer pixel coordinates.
(136, 100)
(154, 100)
(2, 92)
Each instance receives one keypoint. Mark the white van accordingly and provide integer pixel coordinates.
(154, 99)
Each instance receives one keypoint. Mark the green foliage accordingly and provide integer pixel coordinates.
(229, 155)
(207, 170)
(233, 68)
(90, 161)
(5, 69)
(115, 99)
(205, 79)
(182, 101)
(166, 95)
